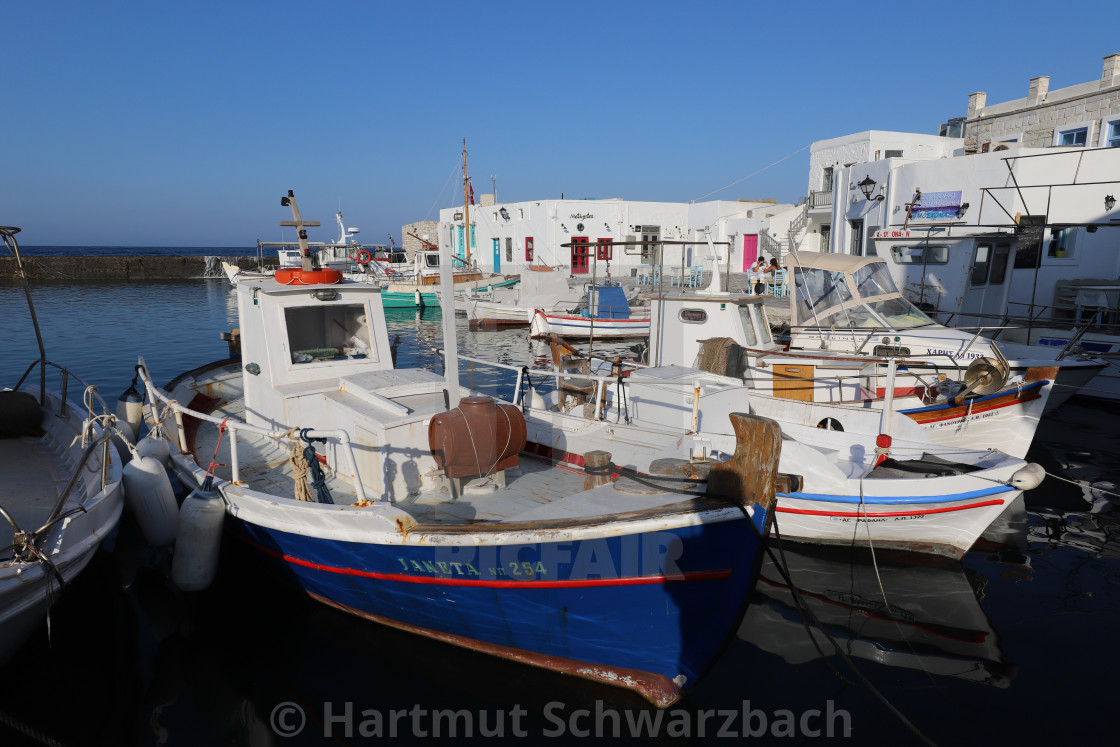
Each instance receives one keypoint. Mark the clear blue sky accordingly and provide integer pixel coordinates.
(182, 124)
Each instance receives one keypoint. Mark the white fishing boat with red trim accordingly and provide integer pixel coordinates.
(879, 483)
(977, 402)
(605, 316)
(426, 510)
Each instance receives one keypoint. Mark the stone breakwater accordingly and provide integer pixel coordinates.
(69, 269)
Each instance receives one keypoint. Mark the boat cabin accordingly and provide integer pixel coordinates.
(319, 355)
(680, 323)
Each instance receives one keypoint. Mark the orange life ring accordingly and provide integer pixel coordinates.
(353, 254)
(364, 257)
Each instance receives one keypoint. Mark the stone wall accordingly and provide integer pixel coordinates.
(69, 269)
(429, 228)
(1034, 120)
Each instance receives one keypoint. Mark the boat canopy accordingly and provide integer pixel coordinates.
(843, 291)
(607, 302)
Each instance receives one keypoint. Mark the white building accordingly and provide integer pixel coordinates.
(832, 164)
(508, 237)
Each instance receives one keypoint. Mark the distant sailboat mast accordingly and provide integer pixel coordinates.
(466, 205)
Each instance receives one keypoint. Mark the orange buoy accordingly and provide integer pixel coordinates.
(364, 257)
(308, 277)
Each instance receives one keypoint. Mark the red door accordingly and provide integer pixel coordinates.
(750, 251)
(579, 255)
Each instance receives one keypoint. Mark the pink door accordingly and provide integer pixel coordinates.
(750, 251)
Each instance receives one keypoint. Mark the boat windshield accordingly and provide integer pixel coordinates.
(874, 280)
(431, 260)
(900, 313)
(820, 293)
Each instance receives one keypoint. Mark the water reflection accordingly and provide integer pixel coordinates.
(895, 610)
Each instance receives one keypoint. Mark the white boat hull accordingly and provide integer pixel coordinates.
(578, 327)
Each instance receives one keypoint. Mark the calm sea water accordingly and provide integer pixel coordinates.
(1017, 643)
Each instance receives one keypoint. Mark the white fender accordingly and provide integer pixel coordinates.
(130, 412)
(147, 491)
(1029, 477)
(154, 446)
(199, 540)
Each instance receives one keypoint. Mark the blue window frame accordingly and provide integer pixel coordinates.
(1113, 139)
(1073, 137)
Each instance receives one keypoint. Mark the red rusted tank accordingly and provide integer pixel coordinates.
(477, 437)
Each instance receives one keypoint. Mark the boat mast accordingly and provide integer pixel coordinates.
(466, 205)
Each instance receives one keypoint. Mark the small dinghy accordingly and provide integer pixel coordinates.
(61, 489)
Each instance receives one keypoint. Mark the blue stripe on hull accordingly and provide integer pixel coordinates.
(889, 500)
(667, 628)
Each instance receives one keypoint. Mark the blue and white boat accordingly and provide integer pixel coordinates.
(606, 316)
(428, 513)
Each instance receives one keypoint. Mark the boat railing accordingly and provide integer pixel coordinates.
(66, 375)
(235, 426)
(601, 383)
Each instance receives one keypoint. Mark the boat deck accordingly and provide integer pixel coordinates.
(33, 474)
(537, 490)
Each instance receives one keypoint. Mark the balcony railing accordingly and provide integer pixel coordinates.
(820, 199)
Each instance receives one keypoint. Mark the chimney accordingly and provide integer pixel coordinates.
(1039, 87)
(976, 102)
(1110, 76)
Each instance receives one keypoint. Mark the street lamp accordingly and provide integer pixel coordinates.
(867, 186)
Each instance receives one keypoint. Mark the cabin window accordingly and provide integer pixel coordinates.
(747, 324)
(1028, 254)
(1061, 243)
(431, 260)
(328, 332)
(693, 316)
(999, 264)
(981, 260)
(763, 326)
(509, 249)
(605, 251)
(920, 254)
(529, 249)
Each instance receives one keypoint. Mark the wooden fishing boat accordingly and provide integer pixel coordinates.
(429, 515)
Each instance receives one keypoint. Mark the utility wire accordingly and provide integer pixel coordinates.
(748, 176)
